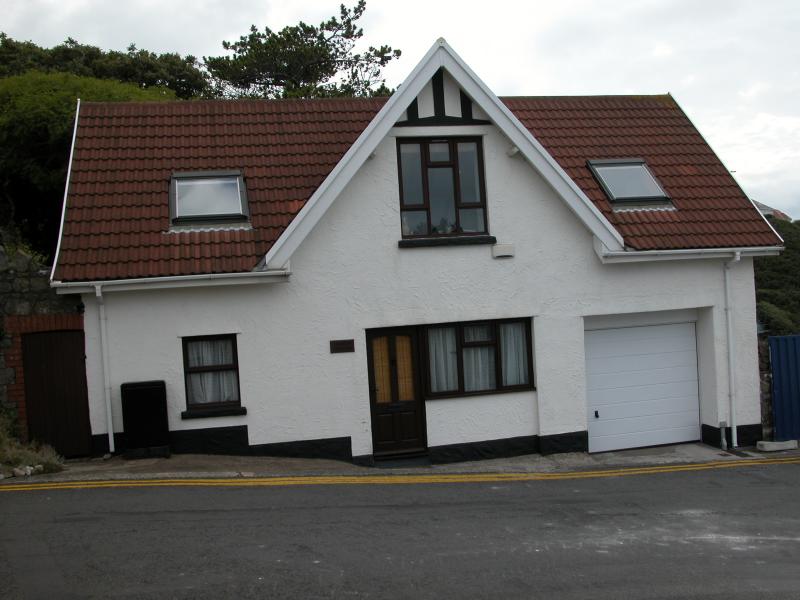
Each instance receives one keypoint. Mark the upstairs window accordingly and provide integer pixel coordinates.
(442, 190)
(208, 197)
(628, 181)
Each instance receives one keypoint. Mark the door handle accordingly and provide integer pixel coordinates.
(596, 414)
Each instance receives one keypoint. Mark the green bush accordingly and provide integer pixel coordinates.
(778, 283)
(13, 453)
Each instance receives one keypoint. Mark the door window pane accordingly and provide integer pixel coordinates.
(405, 368)
(442, 200)
(443, 359)
(411, 168)
(468, 174)
(415, 222)
(479, 373)
(381, 371)
(514, 350)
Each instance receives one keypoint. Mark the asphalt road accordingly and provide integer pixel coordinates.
(729, 533)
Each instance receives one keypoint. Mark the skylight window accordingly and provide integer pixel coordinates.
(208, 196)
(628, 181)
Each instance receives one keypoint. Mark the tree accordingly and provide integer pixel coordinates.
(303, 61)
(37, 113)
(778, 282)
(182, 74)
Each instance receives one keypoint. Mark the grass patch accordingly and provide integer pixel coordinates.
(14, 453)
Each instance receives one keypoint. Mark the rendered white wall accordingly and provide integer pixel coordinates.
(349, 276)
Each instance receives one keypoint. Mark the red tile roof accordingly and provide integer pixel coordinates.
(712, 210)
(117, 219)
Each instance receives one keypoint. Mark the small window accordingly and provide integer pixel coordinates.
(211, 368)
(441, 187)
(479, 358)
(628, 181)
(208, 196)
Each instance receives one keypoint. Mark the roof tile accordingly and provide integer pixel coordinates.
(117, 218)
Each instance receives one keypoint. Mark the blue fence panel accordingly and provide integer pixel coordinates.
(784, 356)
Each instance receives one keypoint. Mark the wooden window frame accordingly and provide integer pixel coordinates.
(213, 408)
(461, 344)
(426, 164)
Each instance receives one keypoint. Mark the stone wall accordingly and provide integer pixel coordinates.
(765, 370)
(27, 304)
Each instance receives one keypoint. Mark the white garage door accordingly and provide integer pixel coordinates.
(642, 386)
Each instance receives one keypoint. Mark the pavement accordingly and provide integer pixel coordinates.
(725, 529)
(199, 466)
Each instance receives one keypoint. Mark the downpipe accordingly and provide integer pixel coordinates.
(104, 360)
(731, 346)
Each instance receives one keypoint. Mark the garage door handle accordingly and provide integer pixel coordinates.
(596, 415)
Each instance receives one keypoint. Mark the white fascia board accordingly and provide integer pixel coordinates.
(366, 143)
(629, 256)
(66, 189)
(533, 151)
(439, 55)
(178, 281)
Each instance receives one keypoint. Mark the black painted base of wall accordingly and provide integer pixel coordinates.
(504, 448)
(747, 435)
(233, 441)
(574, 441)
(333, 448)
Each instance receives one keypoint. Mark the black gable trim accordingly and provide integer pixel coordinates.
(433, 121)
(413, 111)
(466, 106)
(437, 83)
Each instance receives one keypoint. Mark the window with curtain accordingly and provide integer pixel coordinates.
(479, 358)
(211, 368)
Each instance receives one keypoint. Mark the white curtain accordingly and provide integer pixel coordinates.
(514, 349)
(479, 369)
(212, 386)
(443, 359)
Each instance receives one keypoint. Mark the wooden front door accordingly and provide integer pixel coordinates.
(398, 411)
(56, 402)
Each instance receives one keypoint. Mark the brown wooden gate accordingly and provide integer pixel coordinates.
(56, 401)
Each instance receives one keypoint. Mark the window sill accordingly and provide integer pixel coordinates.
(458, 240)
(208, 413)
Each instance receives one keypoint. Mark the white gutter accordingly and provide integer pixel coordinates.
(66, 189)
(104, 361)
(609, 256)
(731, 346)
(176, 281)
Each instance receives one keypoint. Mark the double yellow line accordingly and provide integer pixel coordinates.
(392, 479)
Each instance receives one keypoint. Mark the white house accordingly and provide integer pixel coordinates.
(445, 272)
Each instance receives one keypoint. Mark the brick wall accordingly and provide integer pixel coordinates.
(27, 305)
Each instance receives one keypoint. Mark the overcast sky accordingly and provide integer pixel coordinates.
(734, 66)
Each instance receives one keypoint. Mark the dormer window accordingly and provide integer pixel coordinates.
(628, 181)
(207, 196)
(442, 191)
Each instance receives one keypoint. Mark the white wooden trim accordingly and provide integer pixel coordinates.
(439, 55)
(66, 189)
